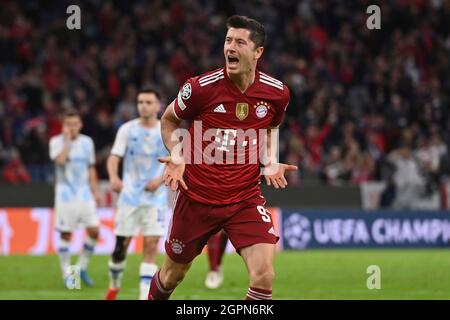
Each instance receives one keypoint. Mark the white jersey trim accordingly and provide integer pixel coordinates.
(267, 77)
(212, 80)
(209, 76)
(273, 84)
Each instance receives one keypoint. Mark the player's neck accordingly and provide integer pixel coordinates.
(148, 122)
(244, 80)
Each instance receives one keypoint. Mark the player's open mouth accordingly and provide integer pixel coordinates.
(233, 61)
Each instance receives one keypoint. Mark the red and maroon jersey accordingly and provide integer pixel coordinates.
(225, 113)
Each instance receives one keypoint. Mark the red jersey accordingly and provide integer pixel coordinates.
(225, 112)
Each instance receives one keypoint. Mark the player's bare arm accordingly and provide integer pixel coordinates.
(173, 175)
(62, 157)
(93, 183)
(169, 123)
(276, 170)
(113, 168)
(153, 185)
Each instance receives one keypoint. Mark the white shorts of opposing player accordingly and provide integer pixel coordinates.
(130, 221)
(214, 279)
(68, 218)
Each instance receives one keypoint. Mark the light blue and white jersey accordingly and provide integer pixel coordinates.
(140, 147)
(72, 178)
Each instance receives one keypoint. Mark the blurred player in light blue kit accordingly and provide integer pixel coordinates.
(143, 197)
(76, 191)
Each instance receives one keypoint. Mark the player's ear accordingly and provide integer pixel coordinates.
(259, 52)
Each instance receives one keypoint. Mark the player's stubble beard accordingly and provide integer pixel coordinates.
(247, 67)
(244, 70)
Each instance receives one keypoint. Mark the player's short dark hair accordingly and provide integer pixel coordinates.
(71, 112)
(257, 31)
(149, 90)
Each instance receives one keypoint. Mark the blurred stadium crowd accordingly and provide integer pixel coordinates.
(366, 104)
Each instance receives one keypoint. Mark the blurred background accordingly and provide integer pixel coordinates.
(363, 101)
(368, 123)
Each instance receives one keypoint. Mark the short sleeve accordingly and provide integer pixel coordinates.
(120, 143)
(56, 147)
(280, 107)
(189, 100)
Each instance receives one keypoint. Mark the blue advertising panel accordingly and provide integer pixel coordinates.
(303, 229)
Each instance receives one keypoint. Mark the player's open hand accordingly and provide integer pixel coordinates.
(275, 174)
(173, 175)
(115, 184)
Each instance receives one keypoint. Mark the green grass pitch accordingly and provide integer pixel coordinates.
(314, 274)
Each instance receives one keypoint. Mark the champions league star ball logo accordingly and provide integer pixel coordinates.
(186, 91)
(297, 231)
(176, 246)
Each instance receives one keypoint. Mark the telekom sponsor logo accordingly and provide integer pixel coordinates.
(227, 146)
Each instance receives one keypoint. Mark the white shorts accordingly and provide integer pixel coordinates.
(148, 220)
(69, 216)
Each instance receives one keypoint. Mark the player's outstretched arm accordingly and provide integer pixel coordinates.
(169, 124)
(173, 174)
(274, 171)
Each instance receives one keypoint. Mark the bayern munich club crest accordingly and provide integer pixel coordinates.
(261, 109)
(176, 246)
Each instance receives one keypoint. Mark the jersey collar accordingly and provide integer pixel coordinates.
(233, 87)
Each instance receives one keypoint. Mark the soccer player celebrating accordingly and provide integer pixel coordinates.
(214, 195)
(76, 191)
(143, 197)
